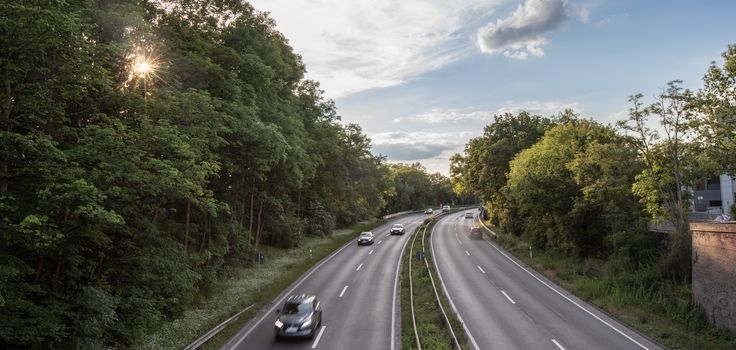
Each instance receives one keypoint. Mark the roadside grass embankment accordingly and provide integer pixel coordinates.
(639, 297)
(430, 323)
(249, 286)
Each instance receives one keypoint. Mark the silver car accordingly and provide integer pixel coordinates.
(365, 238)
(300, 317)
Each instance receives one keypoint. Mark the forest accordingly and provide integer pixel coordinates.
(148, 148)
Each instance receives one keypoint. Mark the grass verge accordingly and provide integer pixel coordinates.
(662, 310)
(431, 325)
(249, 286)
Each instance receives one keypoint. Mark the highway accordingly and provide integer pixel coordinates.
(358, 289)
(507, 305)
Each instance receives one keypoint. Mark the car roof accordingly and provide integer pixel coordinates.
(366, 232)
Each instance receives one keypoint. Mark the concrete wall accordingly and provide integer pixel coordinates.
(714, 271)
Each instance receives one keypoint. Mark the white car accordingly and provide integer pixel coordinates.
(397, 229)
(445, 208)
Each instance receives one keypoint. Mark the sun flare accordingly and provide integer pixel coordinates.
(142, 69)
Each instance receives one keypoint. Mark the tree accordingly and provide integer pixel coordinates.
(483, 170)
(571, 188)
(668, 166)
(715, 104)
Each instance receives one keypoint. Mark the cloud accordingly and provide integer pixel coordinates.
(523, 33)
(357, 45)
(540, 108)
(449, 115)
(480, 116)
(415, 146)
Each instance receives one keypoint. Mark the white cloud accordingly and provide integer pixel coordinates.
(450, 115)
(540, 108)
(409, 147)
(523, 32)
(351, 46)
(421, 137)
(484, 116)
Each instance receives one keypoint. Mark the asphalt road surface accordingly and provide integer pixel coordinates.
(357, 287)
(504, 304)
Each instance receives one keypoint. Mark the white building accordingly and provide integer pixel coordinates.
(714, 195)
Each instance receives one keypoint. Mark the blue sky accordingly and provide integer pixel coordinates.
(423, 77)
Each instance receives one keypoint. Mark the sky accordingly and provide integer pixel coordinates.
(423, 77)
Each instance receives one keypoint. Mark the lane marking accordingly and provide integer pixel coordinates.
(467, 252)
(396, 292)
(569, 299)
(444, 288)
(359, 266)
(481, 269)
(316, 340)
(283, 295)
(558, 344)
(508, 297)
(343, 291)
(371, 252)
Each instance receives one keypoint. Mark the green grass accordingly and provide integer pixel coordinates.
(661, 309)
(280, 269)
(431, 326)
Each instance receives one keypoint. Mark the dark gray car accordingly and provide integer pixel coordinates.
(300, 317)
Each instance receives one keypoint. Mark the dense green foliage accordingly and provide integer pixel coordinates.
(413, 188)
(148, 148)
(574, 187)
(483, 170)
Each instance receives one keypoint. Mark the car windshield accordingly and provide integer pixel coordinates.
(297, 308)
(398, 226)
(365, 234)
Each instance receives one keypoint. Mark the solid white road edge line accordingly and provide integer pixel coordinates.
(281, 298)
(570, 300)
(396, 290)
(447, 294)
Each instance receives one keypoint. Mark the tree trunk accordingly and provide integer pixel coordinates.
(186, 229)
(39, 269)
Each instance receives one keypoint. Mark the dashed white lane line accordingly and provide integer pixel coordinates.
(343, 291)
(359, 266)
(558, 344)
(371, 252)
(467, 252)
(316, 340)
(508, 297)
(481, 269)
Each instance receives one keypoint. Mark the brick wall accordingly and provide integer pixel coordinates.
(714, 271)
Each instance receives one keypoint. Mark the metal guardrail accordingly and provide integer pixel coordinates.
(214, 331)
(436, 294)
(437, 297)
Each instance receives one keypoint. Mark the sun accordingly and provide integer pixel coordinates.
(142, 69)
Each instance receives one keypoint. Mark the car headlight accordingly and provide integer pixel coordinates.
(306, 324)
(279, 324)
